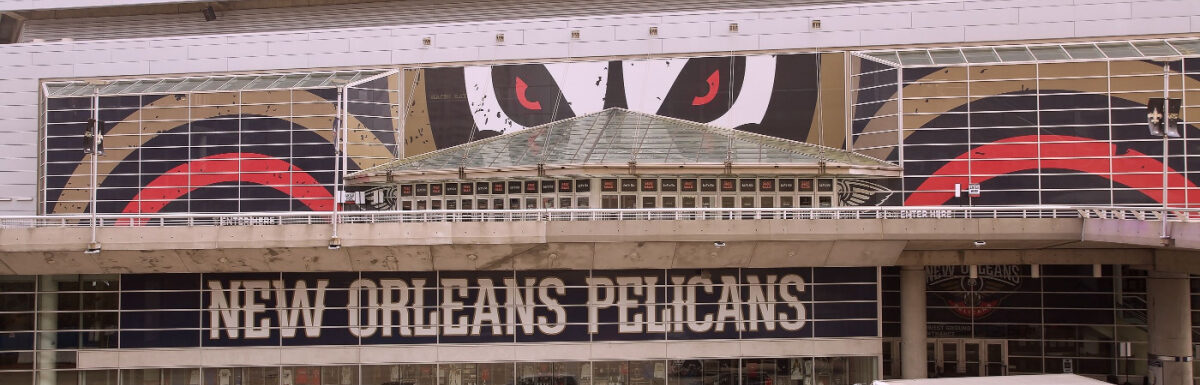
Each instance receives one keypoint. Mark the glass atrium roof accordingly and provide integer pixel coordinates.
(1139, 49)
(249, 82)
(618, 136)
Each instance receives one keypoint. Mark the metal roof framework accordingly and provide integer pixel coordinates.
(212, 83)
(1058, 52)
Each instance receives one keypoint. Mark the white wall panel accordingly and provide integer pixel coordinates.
(710, 44)
(112, 69)
(308, 46)
(525, 51)
(149, 53)
(1166, 8)
(864, 22)
(965, 17)
(259, 63)
(342, 59)
(227, 50)
(912, 35)
(1135, 26)
(188, 65)
(1024, 31)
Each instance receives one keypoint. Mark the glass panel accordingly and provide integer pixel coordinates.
(1012, 54)
(889, 56)
(288, 81)
(1084, 51)
(115, 87)
(314, 80)
(237, 83)
(1186, 47)
(949, 56)
(1155, 48)
(1052, 52)
(915, 58)
(981, 55)
(1118, 50)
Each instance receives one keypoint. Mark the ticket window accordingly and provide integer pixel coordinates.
(583, 191)
(649, 193)
(406, 197)
(435, 196)
(825, 193)
(767, 202)
(565, 189)
(806, 190)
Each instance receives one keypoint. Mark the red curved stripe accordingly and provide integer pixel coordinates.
(521, 88)
(231, 167)
(714, 84)
(1077, 153)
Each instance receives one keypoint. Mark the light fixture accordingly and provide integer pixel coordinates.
(973, 272)
(733, 27)
(427, 41)
(210, 14)
(719, 244)
(980, 243)
(335, 243)
(653, 31)
(816, 24)
(499, 37)
(92, 248)
(575, 35)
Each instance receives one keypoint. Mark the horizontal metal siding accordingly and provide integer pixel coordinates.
(375, 15)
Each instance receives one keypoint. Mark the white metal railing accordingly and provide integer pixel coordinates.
(871, 212)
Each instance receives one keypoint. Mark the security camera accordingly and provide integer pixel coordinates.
(335, 243)
(719, 244)
(980, 243)
(92, 248)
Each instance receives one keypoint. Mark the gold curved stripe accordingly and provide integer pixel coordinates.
(76, 192)
(919, 112)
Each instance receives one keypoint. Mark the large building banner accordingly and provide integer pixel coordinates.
(289, 309)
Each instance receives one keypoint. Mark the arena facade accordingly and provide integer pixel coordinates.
(597, 193)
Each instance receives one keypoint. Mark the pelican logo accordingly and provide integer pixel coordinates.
(973, 298)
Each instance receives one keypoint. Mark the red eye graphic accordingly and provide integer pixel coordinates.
(713, 81)
(525, 102)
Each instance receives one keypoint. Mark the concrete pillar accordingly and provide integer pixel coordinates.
(47, 326)
(1170, 308)
(913, 332)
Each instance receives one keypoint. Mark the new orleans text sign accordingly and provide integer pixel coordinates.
(426, 307)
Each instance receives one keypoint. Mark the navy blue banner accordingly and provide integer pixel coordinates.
(291, 309)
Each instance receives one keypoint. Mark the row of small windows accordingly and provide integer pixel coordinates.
(618, 185)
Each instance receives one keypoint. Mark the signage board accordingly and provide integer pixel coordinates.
(292, 309)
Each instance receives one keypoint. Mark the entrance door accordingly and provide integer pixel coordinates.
(969, 357)
(995, 358)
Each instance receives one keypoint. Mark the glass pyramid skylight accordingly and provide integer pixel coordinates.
(619, 137)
